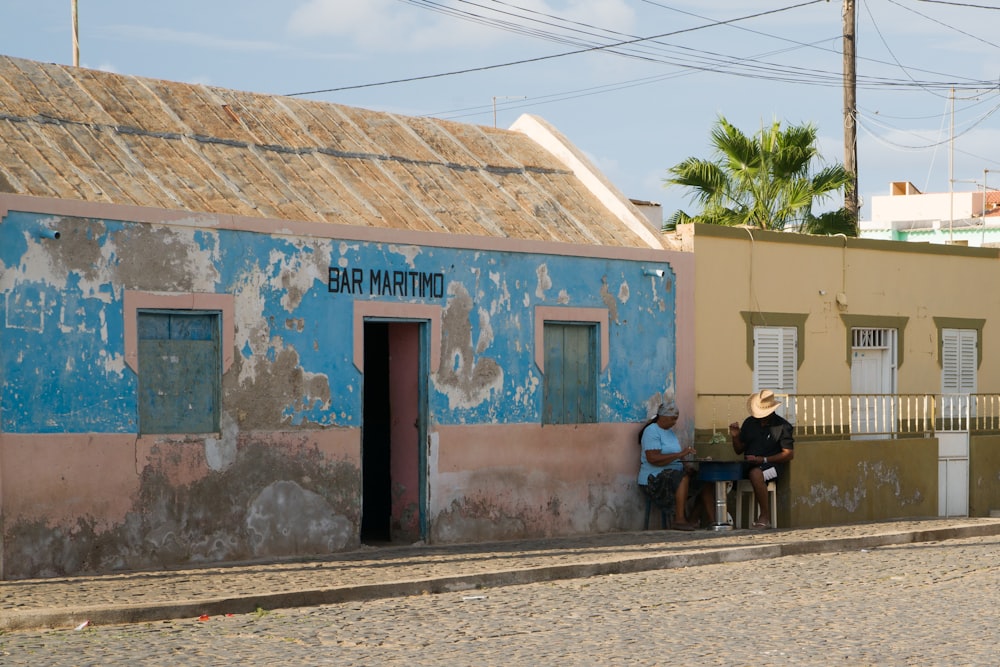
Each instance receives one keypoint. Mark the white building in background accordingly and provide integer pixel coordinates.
(969, 218)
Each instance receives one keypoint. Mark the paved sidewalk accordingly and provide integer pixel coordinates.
(398, 571)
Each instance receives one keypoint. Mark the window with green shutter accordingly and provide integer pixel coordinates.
(570, 383)
(180, 371)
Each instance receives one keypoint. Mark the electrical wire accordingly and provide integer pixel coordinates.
(553, 98)
(526, 102)
(876, 112)
(590, 49)
(590, 38)
(959, 4)
(691, 59)
(831, 79)
(903, 69)
(913, 149)
(943, 24)
(964, 127)
(971, 126)
(813, 45)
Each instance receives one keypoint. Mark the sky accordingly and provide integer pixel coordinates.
(636, 84)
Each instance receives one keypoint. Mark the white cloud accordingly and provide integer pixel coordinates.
(194, 39)
(388, 25)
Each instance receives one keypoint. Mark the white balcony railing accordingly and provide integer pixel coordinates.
(869, 416)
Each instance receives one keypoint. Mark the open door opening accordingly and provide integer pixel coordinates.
(393, 429)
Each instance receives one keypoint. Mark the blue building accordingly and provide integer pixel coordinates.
(239, 326)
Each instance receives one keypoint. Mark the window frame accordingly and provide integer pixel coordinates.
(785, 369)
(959, 361)
(753, 319)
(599, 319)
(222, 304)
(176, 347)
(584, 408)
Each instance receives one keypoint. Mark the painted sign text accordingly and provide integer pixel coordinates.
(383, 282)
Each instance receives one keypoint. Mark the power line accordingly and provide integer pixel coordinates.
(943, 24)
(722, 64)
(696, 60)
(903, 69)
(960, 4)
(555, 55)
(875, 112)
(815, 44)
(476, 110)
(972, 125)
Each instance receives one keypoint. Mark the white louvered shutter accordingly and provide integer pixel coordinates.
(958, 373)
(775, 359)
(958, 361)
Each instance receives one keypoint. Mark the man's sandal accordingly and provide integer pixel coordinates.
(760, 525)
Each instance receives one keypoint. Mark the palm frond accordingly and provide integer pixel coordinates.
(830, 223)
(764, 180)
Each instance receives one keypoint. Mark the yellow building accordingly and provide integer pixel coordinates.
(884, 352)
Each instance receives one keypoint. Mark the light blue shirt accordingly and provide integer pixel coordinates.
(664, 440)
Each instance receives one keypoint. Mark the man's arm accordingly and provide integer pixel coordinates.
(734, 433)
(785, 456)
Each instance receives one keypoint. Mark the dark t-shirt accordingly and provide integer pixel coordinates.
(768, 439)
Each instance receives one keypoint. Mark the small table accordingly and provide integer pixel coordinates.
(720, 472)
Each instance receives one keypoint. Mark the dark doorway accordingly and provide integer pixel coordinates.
(392, 432)
(376, 501)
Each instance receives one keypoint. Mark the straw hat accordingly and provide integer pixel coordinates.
(762, 403)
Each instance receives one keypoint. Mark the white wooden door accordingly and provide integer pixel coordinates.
(959, 381)
(873, 382)
(953, 473)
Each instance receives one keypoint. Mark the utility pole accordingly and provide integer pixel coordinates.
(951, 173)
(850, 112)
(76, 35)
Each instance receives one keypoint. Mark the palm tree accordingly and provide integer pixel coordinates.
(762, 181)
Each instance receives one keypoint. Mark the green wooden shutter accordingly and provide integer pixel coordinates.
(179, 372)
(570, 383)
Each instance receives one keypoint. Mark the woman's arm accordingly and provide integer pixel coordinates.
(659, 459)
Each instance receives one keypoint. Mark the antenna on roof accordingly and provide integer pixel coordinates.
(76, 35)
(503, 97)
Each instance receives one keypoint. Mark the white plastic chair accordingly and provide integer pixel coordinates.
(745, 488)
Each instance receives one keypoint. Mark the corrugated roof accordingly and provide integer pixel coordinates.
(81, 134)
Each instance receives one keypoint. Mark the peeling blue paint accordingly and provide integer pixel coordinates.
(62, 339)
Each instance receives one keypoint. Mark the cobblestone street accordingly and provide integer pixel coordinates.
(931, 603)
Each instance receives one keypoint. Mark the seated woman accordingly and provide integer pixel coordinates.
(662, 476)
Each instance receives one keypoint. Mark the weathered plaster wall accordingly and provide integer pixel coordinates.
(984, 474)
(497, 482)
(270, 483)
(100, 502)
(851, 481)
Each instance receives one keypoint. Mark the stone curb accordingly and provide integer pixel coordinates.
(168, 610)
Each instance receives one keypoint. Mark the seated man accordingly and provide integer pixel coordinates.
(662, 476)
(765, 439)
